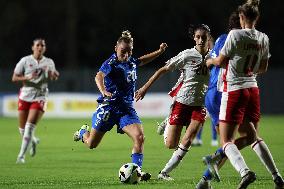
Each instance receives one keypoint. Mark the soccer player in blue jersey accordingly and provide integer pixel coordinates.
(116, 81)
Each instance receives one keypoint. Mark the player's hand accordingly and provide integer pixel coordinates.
(140, 93)
(53, 75)
(32, 76)
(107, 94)
(209, 62)
(163, 47)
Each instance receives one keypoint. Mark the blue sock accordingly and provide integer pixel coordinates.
(82, 132)
(221, 152)
(137, 158)
(207, 175)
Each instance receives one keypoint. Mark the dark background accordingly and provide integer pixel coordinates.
(81, 34)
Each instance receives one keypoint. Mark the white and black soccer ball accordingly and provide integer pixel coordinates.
(129, 173)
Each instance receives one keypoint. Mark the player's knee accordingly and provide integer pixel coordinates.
(140, 139)
(171, 145)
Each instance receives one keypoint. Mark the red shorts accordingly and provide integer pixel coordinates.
(240, 104)
(24, 105)
(182, 114)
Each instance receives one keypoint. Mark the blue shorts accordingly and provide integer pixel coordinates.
(212, 104)
(106, 116)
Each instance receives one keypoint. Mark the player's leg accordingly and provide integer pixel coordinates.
(130, 123)
(161, 126)
(214, 110)
(264, 154)
(197, 141)
(135, 132)
(33, 118)
(22, 117)
(258, 145)
(92, 139)
(232, 109)
(172, 140)
(215, 161)
(198, 117)
(102, 121)
(179, 116)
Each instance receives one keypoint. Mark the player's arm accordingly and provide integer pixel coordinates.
(19, 77)
(220, 61)
(263, 66)
(100, 83)
(51, 71)
(140, 93)
(151, 56)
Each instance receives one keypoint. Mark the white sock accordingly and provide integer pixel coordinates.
(176, 158)
(236, 158)
(265, 156)
(22, 131)
(29, 128)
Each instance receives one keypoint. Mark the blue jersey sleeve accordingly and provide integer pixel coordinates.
(135, 61)
(106, 66)
(218, 46)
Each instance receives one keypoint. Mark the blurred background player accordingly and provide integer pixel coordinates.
(33, 71)
(116, 81)
(244, 55)
(188, 107)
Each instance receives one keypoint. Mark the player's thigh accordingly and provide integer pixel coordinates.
(253, 108)
(36, 111)
(23, 112)
(227, 132)
(23, 116)
(233, 106)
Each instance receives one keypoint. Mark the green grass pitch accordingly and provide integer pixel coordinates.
(62, 163)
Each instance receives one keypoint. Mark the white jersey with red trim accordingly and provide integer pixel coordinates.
(245, 48)
(195, 75)
(35, 89)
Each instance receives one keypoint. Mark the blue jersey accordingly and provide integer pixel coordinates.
(214, 71)
(120, 80)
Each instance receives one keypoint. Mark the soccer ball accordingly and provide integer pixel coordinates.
(129, 173)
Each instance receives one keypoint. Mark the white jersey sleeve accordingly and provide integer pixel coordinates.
(19, 69)
(177, 62)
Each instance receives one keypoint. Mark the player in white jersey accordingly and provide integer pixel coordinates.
(188, 108)
(34, 71)
(245, 54)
